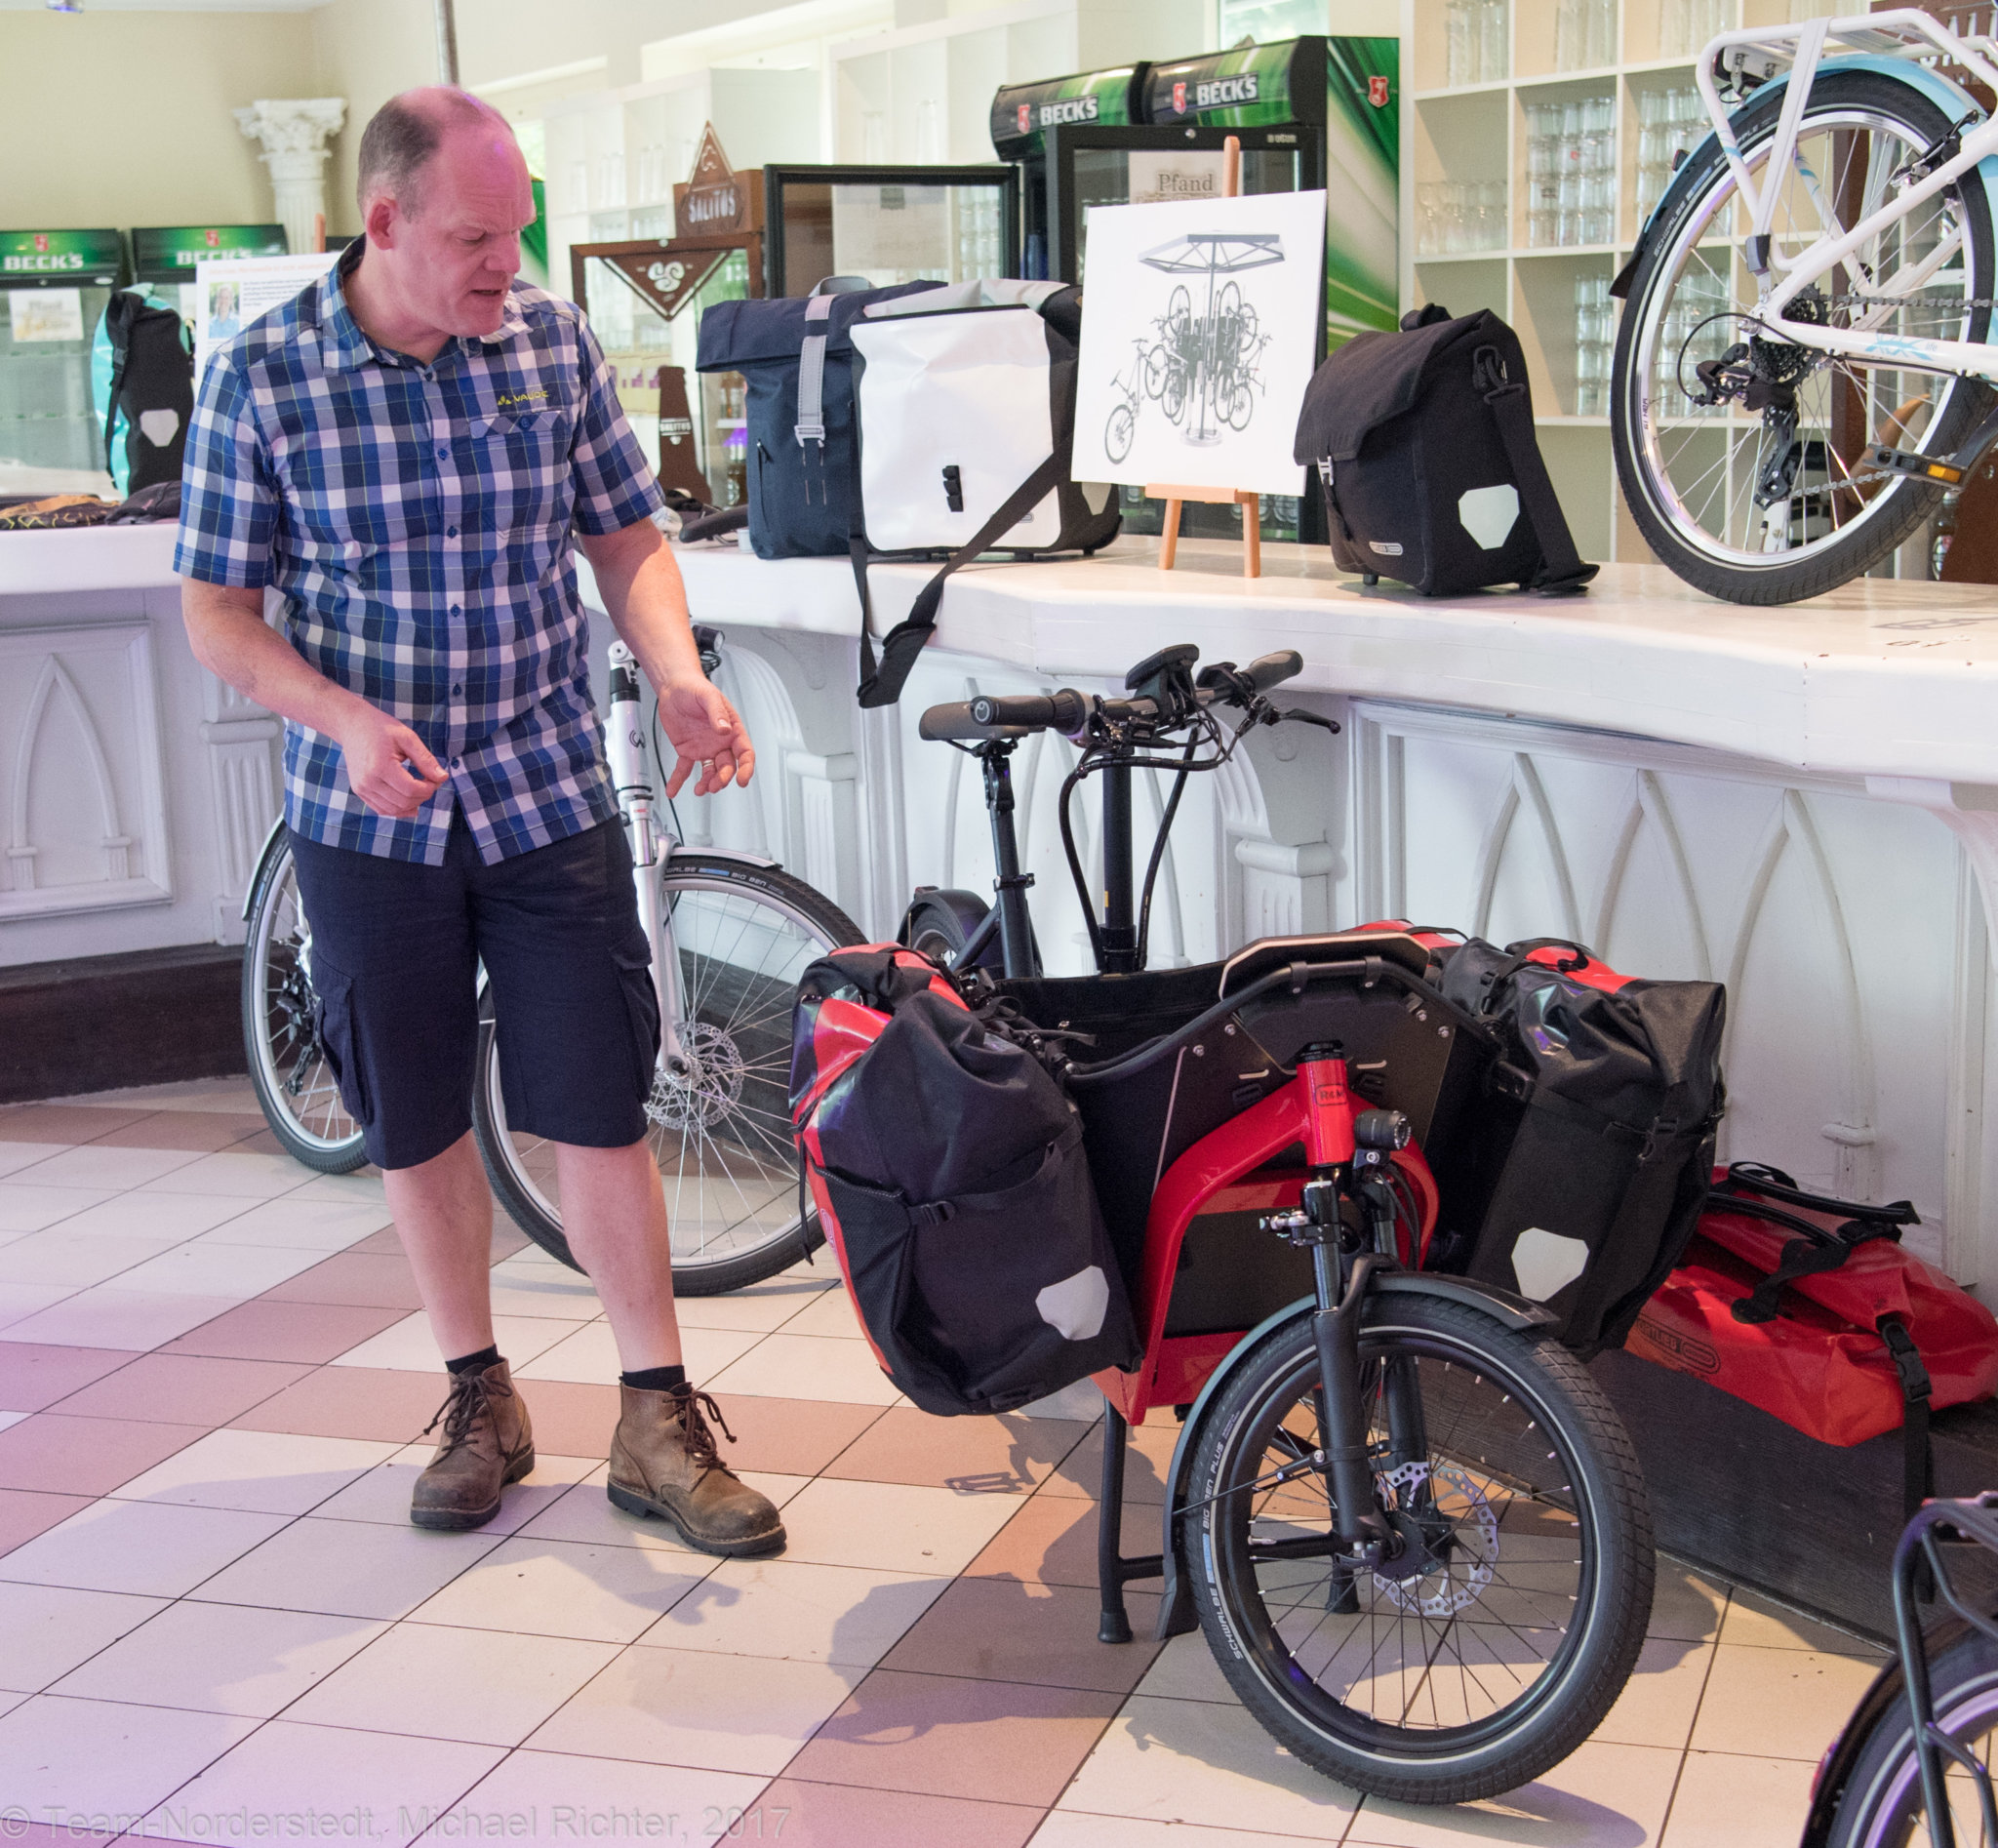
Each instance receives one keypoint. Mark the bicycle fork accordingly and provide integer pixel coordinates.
(631, 779)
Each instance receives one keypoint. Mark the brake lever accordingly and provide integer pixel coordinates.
(1297, 715)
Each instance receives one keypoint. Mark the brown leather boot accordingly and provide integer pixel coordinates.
(487, 1442)
(664, 1462)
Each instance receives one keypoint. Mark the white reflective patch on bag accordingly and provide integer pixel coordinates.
(1076, 1305)
(159, 426)
(1545, 1261)
(968, 392)
(1489, 514)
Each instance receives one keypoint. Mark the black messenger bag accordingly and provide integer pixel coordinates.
(1424, 442)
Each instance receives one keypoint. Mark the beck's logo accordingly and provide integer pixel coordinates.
(213, 239)
(1376, 92)
(1222, 92)
(1025, 117)
(1179, 99)
(41, 241)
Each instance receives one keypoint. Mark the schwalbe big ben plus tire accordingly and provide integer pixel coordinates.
(1588, 1670)
(1901, 506)
(516, 1190)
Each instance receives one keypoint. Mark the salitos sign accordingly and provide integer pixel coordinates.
(716, 201)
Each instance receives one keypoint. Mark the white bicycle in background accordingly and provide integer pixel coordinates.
(731, 934)
(1802, 367)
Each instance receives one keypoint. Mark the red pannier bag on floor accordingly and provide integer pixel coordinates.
(949, 1174)
(1810, 1309)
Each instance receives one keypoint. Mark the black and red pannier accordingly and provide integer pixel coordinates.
(949, 1174)
(1811, 1310)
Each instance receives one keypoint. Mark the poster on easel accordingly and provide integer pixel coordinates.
(1199, 337)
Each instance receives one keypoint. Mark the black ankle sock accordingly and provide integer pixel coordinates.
(474, 1363)
(656, 1379)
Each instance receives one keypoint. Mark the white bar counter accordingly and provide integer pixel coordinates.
(1801, 802)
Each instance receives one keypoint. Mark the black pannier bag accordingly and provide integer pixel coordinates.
(949, 1170)
(1586, 1163)
(152, 390)
(1424, 442)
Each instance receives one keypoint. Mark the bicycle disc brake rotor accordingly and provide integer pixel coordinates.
(1442, 1590)
(712, 1087)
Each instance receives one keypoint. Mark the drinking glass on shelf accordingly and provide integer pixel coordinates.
(1599, 32)
(1494, 29)
(1459, 44)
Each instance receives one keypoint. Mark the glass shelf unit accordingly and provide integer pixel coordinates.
(1474, 134)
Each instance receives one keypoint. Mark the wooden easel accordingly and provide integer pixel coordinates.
(1248, 501)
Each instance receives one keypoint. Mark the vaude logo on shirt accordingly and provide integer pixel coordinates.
(1067, 110)
(520, 400)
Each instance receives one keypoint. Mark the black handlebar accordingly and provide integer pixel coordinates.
(1272, 670)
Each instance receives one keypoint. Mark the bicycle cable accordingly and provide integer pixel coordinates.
(1158, 852)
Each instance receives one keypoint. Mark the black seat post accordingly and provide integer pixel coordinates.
(1119, 956)
(1016, 930)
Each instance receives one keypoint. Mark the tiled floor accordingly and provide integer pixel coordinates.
(217, 1625)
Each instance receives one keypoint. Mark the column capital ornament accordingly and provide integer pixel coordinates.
(293, 134)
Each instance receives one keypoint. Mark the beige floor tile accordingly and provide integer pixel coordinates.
(1790, 1702)
(138, 1546)
(591, 1354)
(106, 1317)
(27, 1208)
(553, 1797)
(304, 1779)
(1082, 1402)
(143, 1213)
(892, 1526)
(201, 1268)
(383, 1493)
(55, 1257)
(344, 1568)
(20, 1300)
(222, 1658)
(585, 1517)
(746, 1714)
(1188, 1761)
(47, 1629)
(1757, 1621)
(760, 1310)
(262, 1470)
(365, 1186)
(800, 1611)
(1600, 1797)
(1071, 1828)
(481, 1685)
(232, 1095)
(408, 1346)
(106, 1757)
(1187, 1670)
(15, 1156)
(95, 1166)
(1661, 1697)
(789, 1366)
(11, 1418)
(544, 1290)
(302, 1221)
(554, 1587)
(830, 1313)
(1728, 1801)
(248, 1172)
(1687, 1605)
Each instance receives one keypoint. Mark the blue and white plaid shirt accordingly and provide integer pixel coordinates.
(417, 520)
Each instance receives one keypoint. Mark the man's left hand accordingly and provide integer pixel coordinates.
(706, 733)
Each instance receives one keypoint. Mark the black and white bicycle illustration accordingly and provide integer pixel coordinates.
(1201, 370)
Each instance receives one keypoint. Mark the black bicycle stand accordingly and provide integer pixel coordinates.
(1114, 1569)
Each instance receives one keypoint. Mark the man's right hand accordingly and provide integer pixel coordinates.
(388, 766)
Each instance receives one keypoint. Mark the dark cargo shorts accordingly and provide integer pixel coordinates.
(396, 948)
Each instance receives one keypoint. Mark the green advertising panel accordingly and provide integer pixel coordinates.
(60, 258)
(1022, 113)
(1252, 86)
(168, 253)
(1362, 159)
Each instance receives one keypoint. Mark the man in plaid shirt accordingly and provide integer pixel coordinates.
(406, 453)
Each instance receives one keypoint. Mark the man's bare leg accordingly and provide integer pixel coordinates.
(614, 1214)
(443, 1212)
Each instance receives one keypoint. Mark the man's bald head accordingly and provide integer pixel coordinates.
(403, 134)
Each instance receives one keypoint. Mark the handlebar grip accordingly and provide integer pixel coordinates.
(952, 722)
(1272, 670)
(1063, 710)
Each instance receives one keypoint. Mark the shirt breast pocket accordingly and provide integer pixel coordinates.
(522, 460)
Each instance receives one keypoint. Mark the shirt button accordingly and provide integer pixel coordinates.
(456, 762)
(442, 448)
(450, 532)
(457, 688)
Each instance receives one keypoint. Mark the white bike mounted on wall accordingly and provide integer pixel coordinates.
(1802, 366)
(730, 933)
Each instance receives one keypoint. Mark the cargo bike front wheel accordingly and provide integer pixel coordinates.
(1500, 1636)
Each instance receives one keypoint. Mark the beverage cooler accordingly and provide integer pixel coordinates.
(890, 225)
(1310, 113)
(52, 289)
(165, 254)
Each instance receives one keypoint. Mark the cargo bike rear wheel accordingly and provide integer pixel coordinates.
(1503, 1633)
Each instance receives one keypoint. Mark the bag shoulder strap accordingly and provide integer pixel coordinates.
(811, 424)
(1561, 566)
(1918, 1456)
(118, 318)
(882, 685)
